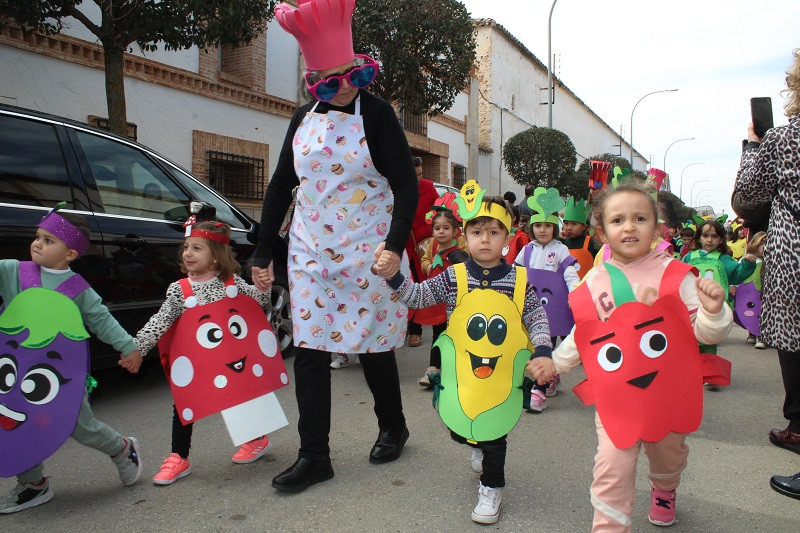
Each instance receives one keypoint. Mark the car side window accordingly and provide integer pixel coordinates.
(224, 211)
(129, 183)
(32, 168)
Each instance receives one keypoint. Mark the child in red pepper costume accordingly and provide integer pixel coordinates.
(447, 247)
(651, 342)
(212, 270)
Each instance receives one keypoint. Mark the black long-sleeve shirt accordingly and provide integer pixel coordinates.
(389, 152)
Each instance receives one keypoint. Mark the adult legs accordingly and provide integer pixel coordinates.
(790, 371)
(312, 377)
(380, 372)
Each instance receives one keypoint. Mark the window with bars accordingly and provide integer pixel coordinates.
(236, 176)
(459, 176)
(413, 123)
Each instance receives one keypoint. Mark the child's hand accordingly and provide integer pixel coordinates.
(750, 258)
(732, 290)
(131, 362)
(542, 369)
(711, 294)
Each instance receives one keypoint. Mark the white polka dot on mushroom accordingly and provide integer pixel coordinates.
(181, 371)
(268, 343)
(258, 371)
(188, 414)
(231, 291)
(191, 301)
(220, 381)
(284, 378)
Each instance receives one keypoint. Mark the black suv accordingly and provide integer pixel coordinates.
(135, 201)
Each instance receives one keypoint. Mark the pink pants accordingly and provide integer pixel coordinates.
(612, 490)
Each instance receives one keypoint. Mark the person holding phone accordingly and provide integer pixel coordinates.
(770, 171)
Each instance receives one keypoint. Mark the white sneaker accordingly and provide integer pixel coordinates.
(425, 380)
(760, 344)
(477, 460)
(751, 339)
(488, 509)
(340, 361)
(538, 401)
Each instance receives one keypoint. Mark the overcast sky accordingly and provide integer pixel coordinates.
(717, 53)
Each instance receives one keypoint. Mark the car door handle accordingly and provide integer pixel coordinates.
(130, 240)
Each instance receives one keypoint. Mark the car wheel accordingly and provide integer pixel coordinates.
(280, 318)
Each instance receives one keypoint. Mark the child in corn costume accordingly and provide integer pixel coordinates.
(495, 326)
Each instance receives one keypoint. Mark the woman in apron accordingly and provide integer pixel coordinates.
(348, 157)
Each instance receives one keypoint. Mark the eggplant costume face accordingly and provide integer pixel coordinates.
(43, 366)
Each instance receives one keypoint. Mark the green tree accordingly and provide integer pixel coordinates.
(426, 50)
(540, 156)
(174, 24)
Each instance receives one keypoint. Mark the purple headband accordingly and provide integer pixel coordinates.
(64, 230)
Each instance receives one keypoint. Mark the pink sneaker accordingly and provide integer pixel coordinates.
(172, 470)
(554, 386)
(662, 507)
(538, 401)
(252, 450)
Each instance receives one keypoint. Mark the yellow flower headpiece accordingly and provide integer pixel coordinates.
(471, 205)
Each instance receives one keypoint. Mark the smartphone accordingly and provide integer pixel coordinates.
(761, 113)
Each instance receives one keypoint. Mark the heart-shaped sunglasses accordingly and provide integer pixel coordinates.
(359, 76)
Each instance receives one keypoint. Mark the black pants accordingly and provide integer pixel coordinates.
(436, 355)
(494, 460)
(790, 371)
(181, 435)
(312, 376)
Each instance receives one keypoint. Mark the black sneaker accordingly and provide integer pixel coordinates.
(26, 495)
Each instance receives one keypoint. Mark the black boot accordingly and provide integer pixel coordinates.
(389, 446)
(302, 474)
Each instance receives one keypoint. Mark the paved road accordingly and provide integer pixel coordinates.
(431, 487)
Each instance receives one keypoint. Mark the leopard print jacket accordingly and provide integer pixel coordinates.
(771, 171)
(173, 306)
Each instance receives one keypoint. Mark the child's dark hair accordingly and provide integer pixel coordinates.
(484, 220)
(226, 264)
(687, 233)
(719, 229)
(737, 233)
(79, 221)
(448, 216)
(599, 202)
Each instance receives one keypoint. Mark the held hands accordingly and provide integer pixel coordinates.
(263, 277)
(711, 294)
(387, 263)
(542, 369)
(749, 258)
(131, 362)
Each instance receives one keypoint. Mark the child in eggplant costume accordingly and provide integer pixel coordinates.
(495, 320)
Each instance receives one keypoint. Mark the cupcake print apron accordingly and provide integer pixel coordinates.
(342, 213)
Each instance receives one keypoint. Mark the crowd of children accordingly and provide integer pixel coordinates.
(554, 280)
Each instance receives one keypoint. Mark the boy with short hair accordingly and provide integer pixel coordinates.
(494, 322)
(60, 239)
(581, 246)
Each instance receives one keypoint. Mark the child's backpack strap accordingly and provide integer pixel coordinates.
(673, 277)
(460, 271)
(581, 304)
(30, 275)
(526, 258)
(520, 284)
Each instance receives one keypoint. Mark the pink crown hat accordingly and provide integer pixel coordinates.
(656, 175)
(322, 29)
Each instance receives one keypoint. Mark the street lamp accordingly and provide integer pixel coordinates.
(550, 68)
(670, 146)
(680, 189)
(703, 198)
(691, 191)
(699, 194)
(634, 109)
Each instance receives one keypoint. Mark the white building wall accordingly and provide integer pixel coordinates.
(164, 117)
(513, 81)
(283, 63)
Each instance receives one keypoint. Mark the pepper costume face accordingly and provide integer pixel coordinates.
(644, 370)
(43, 365)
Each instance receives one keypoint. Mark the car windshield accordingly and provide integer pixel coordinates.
(224, 211)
